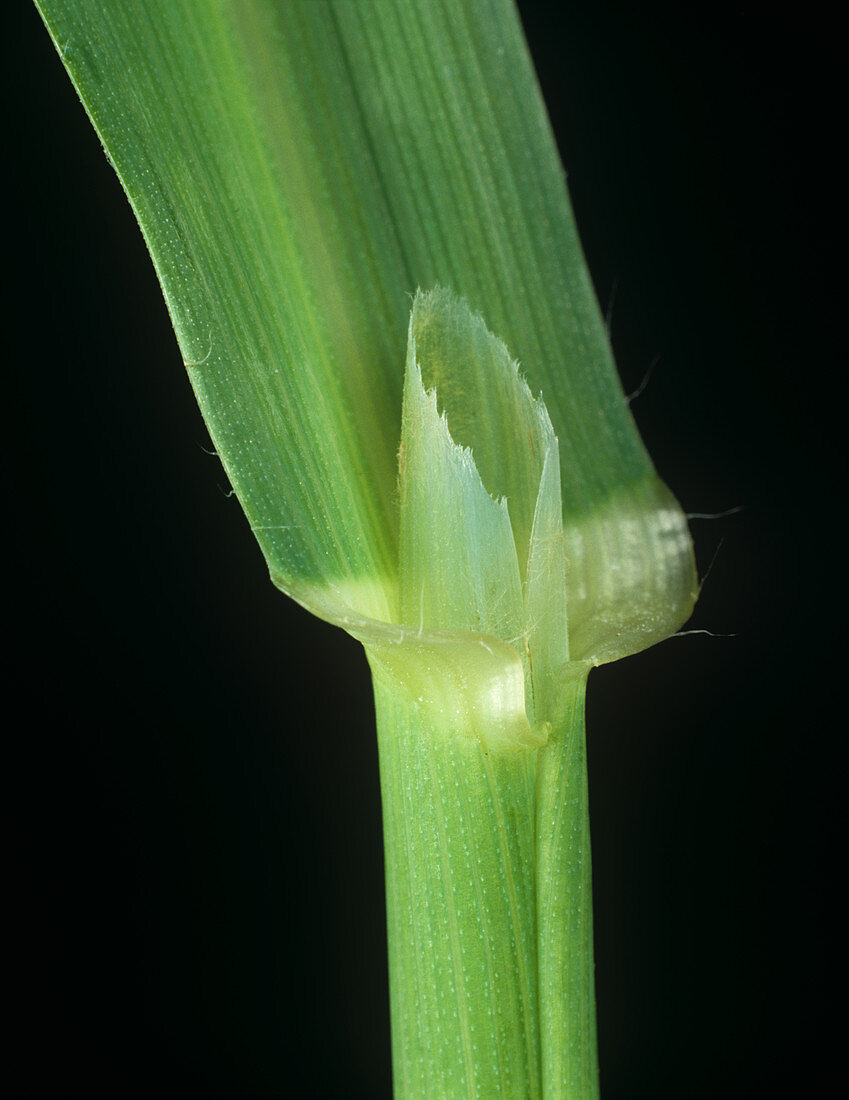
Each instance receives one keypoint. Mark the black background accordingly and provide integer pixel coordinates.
(197, 875)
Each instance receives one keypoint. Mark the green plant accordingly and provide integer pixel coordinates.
(300, 171)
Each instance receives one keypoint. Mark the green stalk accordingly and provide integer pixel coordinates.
(486, 1000)
(564, 908)
(303, 171)
(458, 828)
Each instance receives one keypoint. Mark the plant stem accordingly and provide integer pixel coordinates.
(564, 906)
(488, 909)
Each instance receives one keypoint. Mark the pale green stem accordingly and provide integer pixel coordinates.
(486, 1001)
(564, 907)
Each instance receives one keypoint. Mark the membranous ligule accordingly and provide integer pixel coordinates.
(498, 603)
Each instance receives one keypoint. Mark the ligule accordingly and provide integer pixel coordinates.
(480, 634)
(497, 603)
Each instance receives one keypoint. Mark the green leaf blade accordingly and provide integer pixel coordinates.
(298, 170)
